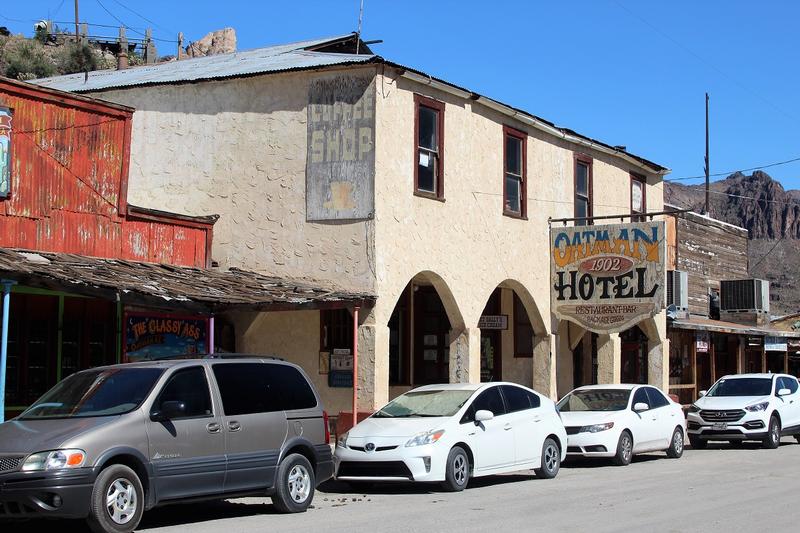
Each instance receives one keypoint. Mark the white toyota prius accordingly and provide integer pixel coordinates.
(449, 433)
(619, 421)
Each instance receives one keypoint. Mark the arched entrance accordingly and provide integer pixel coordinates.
(422, 327)
(511, 335)
(634, 355)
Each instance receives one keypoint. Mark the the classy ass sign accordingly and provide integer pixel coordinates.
(607, 278)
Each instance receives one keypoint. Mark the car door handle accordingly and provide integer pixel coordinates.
(213, 427)
(234, 426)
(507, 427)
(537, 419)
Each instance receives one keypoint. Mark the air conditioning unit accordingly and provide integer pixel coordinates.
(678, 290)
(744, 300)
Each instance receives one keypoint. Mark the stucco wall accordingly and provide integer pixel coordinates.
(466, 239)
(238, 148)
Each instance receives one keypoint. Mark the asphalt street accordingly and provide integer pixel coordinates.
(722, 488)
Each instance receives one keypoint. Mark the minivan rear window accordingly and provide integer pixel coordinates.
(248, 388)
(96, 392)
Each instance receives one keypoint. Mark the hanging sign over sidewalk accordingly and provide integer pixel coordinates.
(607, 278)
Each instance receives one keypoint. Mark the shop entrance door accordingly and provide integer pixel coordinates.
(431, 337)
(634, 355)
(491, 349)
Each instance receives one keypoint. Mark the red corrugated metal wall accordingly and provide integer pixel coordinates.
(69, 164)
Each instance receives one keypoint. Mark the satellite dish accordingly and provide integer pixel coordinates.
(41, 25)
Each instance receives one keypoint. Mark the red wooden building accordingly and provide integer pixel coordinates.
(63, 189)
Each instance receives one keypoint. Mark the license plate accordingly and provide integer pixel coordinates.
(720, 425)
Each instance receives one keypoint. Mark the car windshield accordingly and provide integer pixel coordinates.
(101, 392)
(425, 403)
(595, 400)
(742, 387)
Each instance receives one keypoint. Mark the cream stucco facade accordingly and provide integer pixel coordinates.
(238, 148)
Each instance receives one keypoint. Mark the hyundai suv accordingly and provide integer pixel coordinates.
(761, 407)
(108, 443)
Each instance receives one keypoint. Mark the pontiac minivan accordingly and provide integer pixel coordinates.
(106, 444)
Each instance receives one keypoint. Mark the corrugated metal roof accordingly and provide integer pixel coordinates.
(202, 289)
(294, 56)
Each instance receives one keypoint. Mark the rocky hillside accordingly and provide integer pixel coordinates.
(772, 216)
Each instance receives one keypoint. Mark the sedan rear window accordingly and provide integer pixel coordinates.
(595, 400)
(742, 387)
(100, 392)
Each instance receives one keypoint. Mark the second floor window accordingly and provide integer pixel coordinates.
(638, 197)
(583, 190)
(428, 153)
(514, 185)
(5, 152)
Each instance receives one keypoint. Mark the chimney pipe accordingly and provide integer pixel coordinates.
(122, 55)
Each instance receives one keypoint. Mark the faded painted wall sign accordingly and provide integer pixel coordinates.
(607, 278)
(340, 163)
(5, 152)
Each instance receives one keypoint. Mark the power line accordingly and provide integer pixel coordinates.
(113, 16)
(734, 171)
(752, 268)
(143, 17)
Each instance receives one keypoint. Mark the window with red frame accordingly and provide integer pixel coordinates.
(638, 197)
(514, 179)
(583, 190)
(336, 330)
(428, 147)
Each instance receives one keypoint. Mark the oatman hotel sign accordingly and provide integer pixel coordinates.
(607, 278)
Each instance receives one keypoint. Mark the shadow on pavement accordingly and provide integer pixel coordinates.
(342, 487)
(190, 513)
(601, 462)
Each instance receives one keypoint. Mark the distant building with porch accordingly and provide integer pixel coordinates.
(719, 320)
(347, 169)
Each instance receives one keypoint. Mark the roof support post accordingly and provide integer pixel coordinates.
(355, 366)
(210, 348)
(4, 344)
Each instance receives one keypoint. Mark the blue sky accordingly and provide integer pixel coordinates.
(623, 71)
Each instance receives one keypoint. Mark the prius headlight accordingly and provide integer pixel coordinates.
(597, 428)
(427, 437)
(757, 407)
(54, 460)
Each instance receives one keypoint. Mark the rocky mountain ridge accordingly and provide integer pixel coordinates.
(771, 215)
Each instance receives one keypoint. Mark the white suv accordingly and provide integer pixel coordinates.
(761, 407)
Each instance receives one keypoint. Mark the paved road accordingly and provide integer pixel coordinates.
(718, 489)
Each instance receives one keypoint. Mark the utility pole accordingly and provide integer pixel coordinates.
(707, 210)
(77, 33)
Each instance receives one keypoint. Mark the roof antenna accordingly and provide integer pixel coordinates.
(358, 33)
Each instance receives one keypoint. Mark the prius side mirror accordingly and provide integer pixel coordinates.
(640, 406)
(702, 393)
(784, 392)
(483, 415)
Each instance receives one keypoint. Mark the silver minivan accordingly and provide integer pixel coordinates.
(106, 444)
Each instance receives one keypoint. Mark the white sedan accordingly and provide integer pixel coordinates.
(449, 433)
(619, 421)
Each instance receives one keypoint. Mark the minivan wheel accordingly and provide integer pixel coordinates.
(675, 450)
(117, 501)
(773, 438)
(456, 473)
(294, 485)
(624, 449)
(551, 460)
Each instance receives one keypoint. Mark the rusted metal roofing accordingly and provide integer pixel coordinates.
(166, 286)
(294, 56)
(69, 176)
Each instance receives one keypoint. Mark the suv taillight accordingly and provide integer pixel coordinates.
(327, 427)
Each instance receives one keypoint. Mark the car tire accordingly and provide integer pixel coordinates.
(456, 472)
(773, 438)
(551, 460)
(294, 485)
(624, 449)
(119, 485)
(676, 444)
(697, 443)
